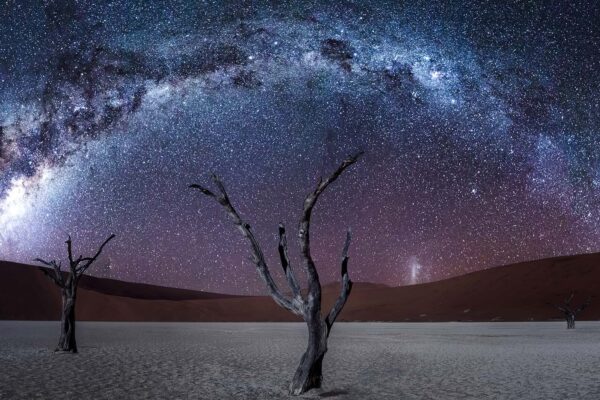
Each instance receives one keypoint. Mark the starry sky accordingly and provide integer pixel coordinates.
(480, 123)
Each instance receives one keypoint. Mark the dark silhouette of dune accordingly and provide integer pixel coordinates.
(144, 291)
(517, 292)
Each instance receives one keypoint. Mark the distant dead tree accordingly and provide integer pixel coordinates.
(309, 373)
(67, 282)
(571, 312)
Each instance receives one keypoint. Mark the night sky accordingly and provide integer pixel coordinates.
(480, 125)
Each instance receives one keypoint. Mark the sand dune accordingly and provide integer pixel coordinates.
(518, 292)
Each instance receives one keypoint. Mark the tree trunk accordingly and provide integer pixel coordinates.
(570, 321)
(68, 285)
(67, 325)
(309, 374)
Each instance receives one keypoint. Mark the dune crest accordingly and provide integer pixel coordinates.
(517, 292)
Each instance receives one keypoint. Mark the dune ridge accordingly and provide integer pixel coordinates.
(517, 292)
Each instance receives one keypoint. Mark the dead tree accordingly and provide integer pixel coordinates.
(571, 312)
(309, 373)
(67, 281)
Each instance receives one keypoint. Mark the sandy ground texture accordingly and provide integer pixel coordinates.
(257, 360)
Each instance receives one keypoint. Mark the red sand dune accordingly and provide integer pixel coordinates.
(518, 292)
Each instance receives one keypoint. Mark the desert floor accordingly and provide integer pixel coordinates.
(257, 360)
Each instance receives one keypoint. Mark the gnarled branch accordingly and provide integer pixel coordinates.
(257, 255)
(309, 373)
(90, 260)
(55, 274)
(314, 286)
(72, 263)
(583, 306)
(75, 269)
(568, 300)
(561, 308)
(287, 267)
(67, 341)
(345, 289)
(571, 312)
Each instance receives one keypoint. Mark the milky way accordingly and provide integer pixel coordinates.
(480, 125)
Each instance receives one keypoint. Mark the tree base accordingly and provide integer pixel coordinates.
(298, 388)
(309, 374)
(64, 351)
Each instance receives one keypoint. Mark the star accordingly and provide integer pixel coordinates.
(479, 126)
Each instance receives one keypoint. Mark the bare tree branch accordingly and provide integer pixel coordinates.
(569, 312)
(314, 285)
(583, 306)
(560, 308)
(345, 289)
(258, 256)
(70, 249)
(55, 274)
(568, 300)
(287, 268)
(309, 373)
(90, 260)
(67, 341)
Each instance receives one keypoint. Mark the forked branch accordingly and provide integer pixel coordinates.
(345, 289)
(75, 268)
(568, 309)
(258, 257)
(314, 285)
(583, 306)
(87, 261)
(568, 300)
(55, 274)
(287, 267)
(309, 373)
(570, 312)
(68, 285)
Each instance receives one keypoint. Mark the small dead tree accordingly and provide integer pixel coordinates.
(67, 281)
(309, 373)
(571, 312)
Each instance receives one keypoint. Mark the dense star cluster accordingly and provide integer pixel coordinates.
(480, 125)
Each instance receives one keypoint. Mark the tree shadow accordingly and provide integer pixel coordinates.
(333, 393)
